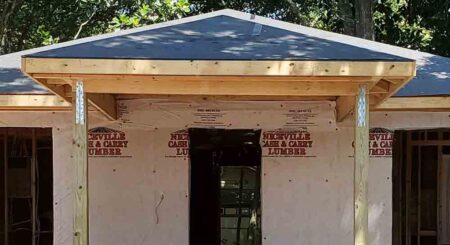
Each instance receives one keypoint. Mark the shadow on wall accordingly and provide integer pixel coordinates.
(376, 236)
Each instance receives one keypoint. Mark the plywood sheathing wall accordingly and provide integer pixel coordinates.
(306, 199)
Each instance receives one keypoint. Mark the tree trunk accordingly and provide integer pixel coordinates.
(346, 12)
(363, 19)
(7, 12)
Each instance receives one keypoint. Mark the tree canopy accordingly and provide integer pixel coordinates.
(416, 24)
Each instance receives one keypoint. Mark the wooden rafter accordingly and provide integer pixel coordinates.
(394, 86)
(379, 92)
(344, 107)
(104, 103)
(225, 78)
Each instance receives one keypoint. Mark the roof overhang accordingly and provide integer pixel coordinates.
(265, 78)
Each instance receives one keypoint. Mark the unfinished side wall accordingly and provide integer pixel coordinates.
(310, 200)
(139, 173)
(61, 124)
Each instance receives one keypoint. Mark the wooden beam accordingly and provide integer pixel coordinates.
(361, 172)
(6, 219)
(225, 98)
(218, 67)
(55, 89)
(384, 85)
(432, 103)
(344, 107)
(105, 103)
(33, 102)
(394, 86)
(56, 78)
(235, 88)
(80, 160)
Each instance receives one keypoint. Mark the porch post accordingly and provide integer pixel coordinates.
(80, 161)
(361, 167)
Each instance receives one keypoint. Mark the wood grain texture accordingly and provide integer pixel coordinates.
(30, 102)
(218, 67)
(361, 172)
(80, 161)
(431, 103)
(236, 88)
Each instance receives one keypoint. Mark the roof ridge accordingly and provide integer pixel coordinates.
(328, 35)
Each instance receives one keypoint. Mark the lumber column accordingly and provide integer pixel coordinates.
(361, 167)
(80, 160)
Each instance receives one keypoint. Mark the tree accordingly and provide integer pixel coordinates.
(417, 24)
(363, 19)
(8, 9)
(34, 23)
(150, 13)
(347, 16)
(395, 25)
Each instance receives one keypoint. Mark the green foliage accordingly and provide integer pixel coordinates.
(44, 36)
(150, 13)
(34, 23)
(24, 24)
(392, 26)
(322, 14)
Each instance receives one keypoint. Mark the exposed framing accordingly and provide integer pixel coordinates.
(30, 136)
(430, 104)
(356, 86)
(339, 79)
(218, 67)
(80, 160)
(33, 102)
(403, 179)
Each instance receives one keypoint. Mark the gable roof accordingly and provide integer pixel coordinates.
(229, 34)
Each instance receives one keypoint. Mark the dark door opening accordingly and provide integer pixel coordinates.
(225, 180)
(26, 186)
(421, 187)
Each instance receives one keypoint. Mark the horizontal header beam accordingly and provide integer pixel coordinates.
(33, 102)
(219, 88)
(438, 103)
(218, 67)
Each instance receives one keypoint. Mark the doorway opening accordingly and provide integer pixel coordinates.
(26, 186)
(225, 186)
(421, 187)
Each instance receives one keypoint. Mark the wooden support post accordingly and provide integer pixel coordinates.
(5, 185)
(33, 187)
(361, 166)
(80, 160)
